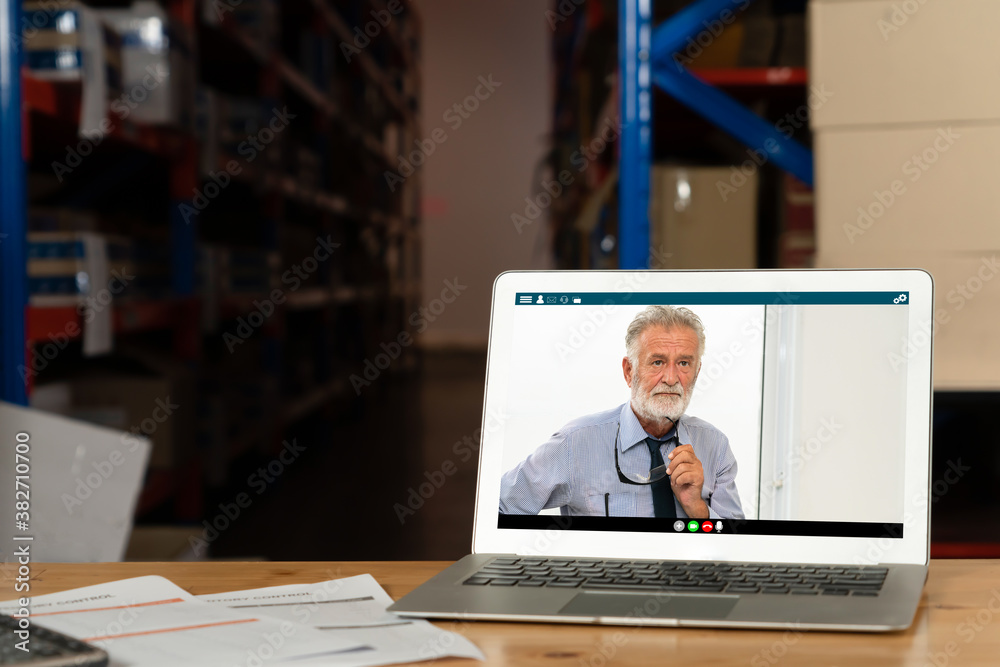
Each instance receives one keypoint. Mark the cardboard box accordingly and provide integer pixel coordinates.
(139, 398)
(158, 404)
(722, 51)
(966, 303)
(701, 219)
(904, 61)
(905, 151)
(164, 543)
(924, 188)
(182, 381)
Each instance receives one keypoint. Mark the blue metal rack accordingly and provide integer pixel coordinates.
(13, 216)
(646, 56)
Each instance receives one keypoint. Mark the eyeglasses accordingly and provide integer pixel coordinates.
(655, 475)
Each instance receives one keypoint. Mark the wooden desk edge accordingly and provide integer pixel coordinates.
(957, 592)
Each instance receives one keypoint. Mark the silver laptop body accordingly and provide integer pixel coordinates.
(809, 414)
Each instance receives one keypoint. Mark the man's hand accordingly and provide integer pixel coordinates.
(686, 479)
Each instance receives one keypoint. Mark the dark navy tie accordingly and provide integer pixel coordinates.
(663, 495)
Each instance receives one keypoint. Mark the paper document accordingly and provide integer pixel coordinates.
(351, 609)
(151, 621)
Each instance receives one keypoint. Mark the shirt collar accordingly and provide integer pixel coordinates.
(632, 433)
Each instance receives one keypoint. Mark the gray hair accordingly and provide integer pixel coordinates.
(666, 317)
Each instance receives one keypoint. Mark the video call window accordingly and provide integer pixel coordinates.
(794, 408)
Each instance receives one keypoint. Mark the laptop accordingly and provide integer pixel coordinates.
(791, 411)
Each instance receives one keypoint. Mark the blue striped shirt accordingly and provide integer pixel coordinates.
(575, 469)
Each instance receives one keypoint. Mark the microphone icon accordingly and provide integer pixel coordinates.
(718, 526)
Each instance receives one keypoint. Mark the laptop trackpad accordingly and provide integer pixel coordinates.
(644, 605)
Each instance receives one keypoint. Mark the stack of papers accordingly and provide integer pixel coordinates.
(150, 621)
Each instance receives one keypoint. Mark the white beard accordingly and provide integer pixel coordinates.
(661, 407)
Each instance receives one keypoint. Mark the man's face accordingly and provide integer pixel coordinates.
(663, 377)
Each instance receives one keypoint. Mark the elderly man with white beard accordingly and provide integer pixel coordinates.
(646, 458)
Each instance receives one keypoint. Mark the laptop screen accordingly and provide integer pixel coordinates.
(638, 409)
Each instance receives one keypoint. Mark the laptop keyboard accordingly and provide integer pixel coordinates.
(700, 577)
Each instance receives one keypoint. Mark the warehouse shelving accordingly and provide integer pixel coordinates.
(725, 77)
(353, 284)
(129, 317)
(965, 530)
(605, 55)
(61, 100)
(644, 60)
(13, 214)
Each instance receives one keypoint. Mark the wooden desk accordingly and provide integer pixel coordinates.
(960, 614)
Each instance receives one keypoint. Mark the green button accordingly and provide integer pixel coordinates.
(693, 526)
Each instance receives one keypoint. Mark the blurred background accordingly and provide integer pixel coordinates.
(255, 240)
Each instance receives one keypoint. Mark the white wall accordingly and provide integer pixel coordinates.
(834, 426)
(480, 175)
